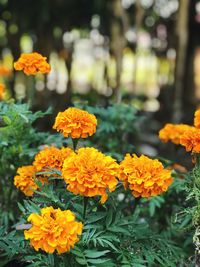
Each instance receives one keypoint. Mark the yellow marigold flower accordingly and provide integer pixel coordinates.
(197, 118)
(76, 123)
(90, 173)
(2, 91)
(32, 63)
(172, 132)
(191, 140)
(144, 176)
(25, 180)
(53, 230)
(51, 157)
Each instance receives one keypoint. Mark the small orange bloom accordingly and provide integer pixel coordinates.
(173, 133)
(4, 71)
(51, 157)
(2, 91)
(144, 176)
(197, 118)
(32, 63)
(53, 230)
(191, 140)
(90, 173)
(76, 123)
(25, 180)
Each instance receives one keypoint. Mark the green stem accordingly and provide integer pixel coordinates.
(136, 203)
(75, 143)
(85, 202)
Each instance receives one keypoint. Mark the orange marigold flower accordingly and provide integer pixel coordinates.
(144, 176)
(197, 118)
(75, 123)
(2, 91)
(90, 173)
(191, 140)
(4, 71)
(51, 157)
(32, 63)
(53, 230)
(173, 133)
(25, 180)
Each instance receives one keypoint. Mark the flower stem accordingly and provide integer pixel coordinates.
(75, 143)
(85, 202)
(136, 203)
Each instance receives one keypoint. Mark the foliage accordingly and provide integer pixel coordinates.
(120, 122)
(19, 142)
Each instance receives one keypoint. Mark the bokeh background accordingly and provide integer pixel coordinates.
(145, 53)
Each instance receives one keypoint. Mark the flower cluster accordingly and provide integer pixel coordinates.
(173, 133)
(75, 123)
(182, 134)
(32, 63)
(2, 91)
(51, 157)
(144, 176)
(53, 230)
(25, 180)
(90, 173)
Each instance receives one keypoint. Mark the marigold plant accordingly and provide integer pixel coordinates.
(51, 157)
(144, 176)
(90, 173)
(32, 63)
(53, 230)
(173, 133)
(76, 123)
(25, 180)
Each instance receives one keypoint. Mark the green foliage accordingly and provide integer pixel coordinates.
(120, 123)
(19, 142)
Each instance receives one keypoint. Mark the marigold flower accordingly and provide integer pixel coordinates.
(76, 123)
(144, 176)
(2, 91)
(25, 180)
(51, 157)
(197, 118)
(4, 71)
(173, 133)
(191, 140)
(53, 230)
(90, 173)
(32, 63)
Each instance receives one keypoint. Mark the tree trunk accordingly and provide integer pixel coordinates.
(118, 28)
(182, 42)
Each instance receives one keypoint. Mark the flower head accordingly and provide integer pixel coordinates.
(197, 118)
(2, 91)
(51, 157)
(173, 133)
(76, 123)
(53, 230)
(90, 173)
(144, 176)
(32, 63)
(25, 180)
(4, 71)
(191, 140)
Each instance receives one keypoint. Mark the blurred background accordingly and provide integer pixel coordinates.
(145, 53)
